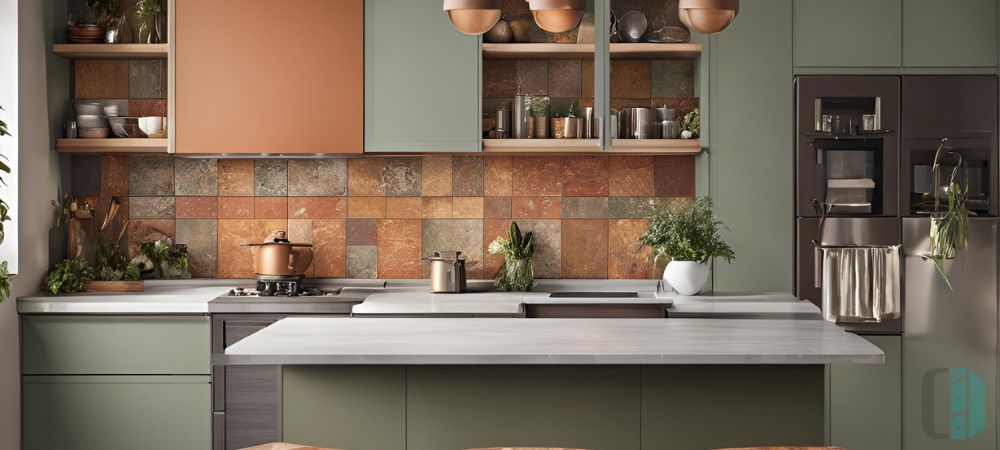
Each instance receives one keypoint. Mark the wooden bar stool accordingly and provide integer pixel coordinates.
(784, 448)
(284, 446)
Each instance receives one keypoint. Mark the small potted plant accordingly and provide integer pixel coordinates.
(688, 239)
(691, 125)
(516, 274)
(540, 115)
(949, 217)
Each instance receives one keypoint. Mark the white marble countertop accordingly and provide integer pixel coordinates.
(483, 341)
(157, 298)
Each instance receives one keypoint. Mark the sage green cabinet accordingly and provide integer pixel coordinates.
(847, 33)
(866, 401)
(421, 80)
(117, 413)
(956, 33)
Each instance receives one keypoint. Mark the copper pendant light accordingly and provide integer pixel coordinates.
(557, 16)
(473, 16)
(708, 16)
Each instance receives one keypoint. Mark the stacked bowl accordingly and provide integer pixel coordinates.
(91, 120)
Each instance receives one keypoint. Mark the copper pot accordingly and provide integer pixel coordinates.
(278, 257)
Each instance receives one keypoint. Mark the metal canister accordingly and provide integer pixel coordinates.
(588, 123)
(503, 124)
(640, 123)
(668, 129)
(521, 126)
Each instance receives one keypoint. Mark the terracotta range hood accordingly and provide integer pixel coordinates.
(708, 16)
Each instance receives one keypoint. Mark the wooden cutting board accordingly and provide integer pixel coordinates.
(115, 286)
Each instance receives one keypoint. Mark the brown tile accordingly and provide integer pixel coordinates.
(270, 207)
(627, 258)
(235, 177)
(496, 207)
(317, 207)
(101, 79)
(630, 78)
(235, 260)
(536, 207)
(362, 261)
(317, 177)
(202, 239)
(197, 207)
(584, 248)
(467, 178)
(150, 175)
(114, 175)
(436, 207)
(84, 179)
(140, 231)
(631, 176)
(235, 207)
(673, 176)
(151, 208)
(435, 178)
(364, 177)
(401, 175)
(467, 208)
(585, 176)
(547, 242)
(362, 232)
(329, 248)
(492, 229)
(537, 175)
(402, 207)
(497, 176)
(464, 235)
(301, 230)
(584, 207)
(399, 248)
(366, 207)
(142, 107)
(532, 77)
(270, 177)
(196, 176)
(564, 78)
(499, 78)
(587, 77)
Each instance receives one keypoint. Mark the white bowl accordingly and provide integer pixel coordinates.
(151, 125)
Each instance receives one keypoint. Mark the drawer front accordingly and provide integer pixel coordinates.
(109, 345)
(117, 413)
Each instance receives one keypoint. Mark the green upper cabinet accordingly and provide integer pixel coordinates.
(421, 80)
(956, 33)
(847, 33)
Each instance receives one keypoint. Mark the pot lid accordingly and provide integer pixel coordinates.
(444, 255)
(279, 238)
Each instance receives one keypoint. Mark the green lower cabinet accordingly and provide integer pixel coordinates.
(866, 401)
(116, 413)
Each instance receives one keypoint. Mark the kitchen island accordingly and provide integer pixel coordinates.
(608, 384)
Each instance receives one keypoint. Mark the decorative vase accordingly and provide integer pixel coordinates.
(558, 127)
(520, 25)
(686, 277)
(516, 274)
(541, 128)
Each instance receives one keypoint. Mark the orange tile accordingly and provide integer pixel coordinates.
(631, 176)
(492, 229)
(402, 207)
(148, 230)
(329, 248)
(627, 258)
(235, 207)
(101, 79)
(585, 176)
(270, 207)
(114, 175)
(235, 260)
(631, 78)
(364, 177)
(584, 248)
(497, 176)
(436, 207)
(366, 207)
(435, 176)
(317, 207)
(301, 230)
(496, 207)
(536, 207)
(235, 177)
(467, 207)
(537, 175)
(197, 207)
(399, 248)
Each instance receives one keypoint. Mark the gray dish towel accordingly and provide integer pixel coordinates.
(861, 284)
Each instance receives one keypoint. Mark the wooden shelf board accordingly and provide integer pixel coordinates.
(659, 146)
(111, 51)
(640, 50)
(111, 145)
(646, 50)
(541, 146)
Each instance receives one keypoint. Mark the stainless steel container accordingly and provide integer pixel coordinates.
(447, 271)
(503, 124)
(521, 123)
(588, 123)
(664, 113)
(640, 123)
(668, 129)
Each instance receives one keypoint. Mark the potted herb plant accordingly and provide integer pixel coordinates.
(540, 115)
(688, 239)
(516, 274)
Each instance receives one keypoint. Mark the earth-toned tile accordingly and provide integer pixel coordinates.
(317, 207)
(497, 176)
(435, 176)
(270, 207)
(364, 176)
(631, 176)
(564, 78)
(496, 207)
(147, 78)
(584, 248)
(114, 175)
(436, 207)
(492, 229)
(100, 79)
(585, 176)
(362, 232)
(673, 176)
(402, 207)
(236, 261)
(537, 175)
(632, 207)
(235, 177)
(587, 78)
(196, 176)
(235, 207)
(627, 257)
(630, 78)
(467, 207)
(317, 177)
(499, 78)
(401, 175)
(148, 230)
(674, 204)
(85, 175)
(202, 239)
(329, 258)
(536, 207)
(366, 207)
(585, 207)
(197, 207)
(270, 177)
(150, 175)
(464, 235)
(151, 208)
(362, 261)
(467, 178)
(547, 260)
(532, 77)
(673, 78)
(142, 107)
(399, 248)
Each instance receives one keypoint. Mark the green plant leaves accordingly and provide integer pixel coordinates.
(689, 235)
(69, 276)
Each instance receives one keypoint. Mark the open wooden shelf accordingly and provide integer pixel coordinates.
(111, 51)
(657, 146)
(542, 146)
(111, 145)
(586, 51)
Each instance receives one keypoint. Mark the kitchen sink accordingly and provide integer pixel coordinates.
(594, 295)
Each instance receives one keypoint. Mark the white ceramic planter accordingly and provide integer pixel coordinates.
(686, 277)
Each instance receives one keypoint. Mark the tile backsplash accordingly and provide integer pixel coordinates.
(376, 216)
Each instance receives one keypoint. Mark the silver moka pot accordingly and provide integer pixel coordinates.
(447, 271)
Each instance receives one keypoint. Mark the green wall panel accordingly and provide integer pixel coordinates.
(848, 33)
(955, 33)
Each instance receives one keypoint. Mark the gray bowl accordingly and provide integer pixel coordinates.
(632, 26)
(126, 127)
(89, 108)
